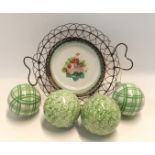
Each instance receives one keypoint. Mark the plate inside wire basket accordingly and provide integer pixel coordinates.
(76, 57)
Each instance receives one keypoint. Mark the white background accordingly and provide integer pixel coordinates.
(19, 37)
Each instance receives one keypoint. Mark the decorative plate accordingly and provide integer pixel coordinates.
(76, 57)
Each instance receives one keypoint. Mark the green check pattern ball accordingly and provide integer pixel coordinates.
(62, 109)
(100, 115)
(130, 98)
(24, 100)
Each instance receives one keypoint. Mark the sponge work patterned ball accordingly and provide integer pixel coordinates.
(100, 115)
(62, 108)
(24, 100)
(130, 98)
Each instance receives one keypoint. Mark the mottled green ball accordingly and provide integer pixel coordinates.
(100, 115)
(130, 98)
(24, 100)
(62, 108)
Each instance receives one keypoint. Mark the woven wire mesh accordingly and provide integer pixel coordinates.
(88, 33)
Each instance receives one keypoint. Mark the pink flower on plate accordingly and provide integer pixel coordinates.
(75, 68)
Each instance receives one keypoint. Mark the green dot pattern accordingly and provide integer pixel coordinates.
(130, 98)
(100, 115)
(62, 109)
(24, 100)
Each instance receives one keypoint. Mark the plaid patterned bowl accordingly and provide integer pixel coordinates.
(130, 98)
(24, 100)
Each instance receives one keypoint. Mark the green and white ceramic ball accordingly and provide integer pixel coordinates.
(130, 98)
(24, 100)
(100, 115)
(62, 109)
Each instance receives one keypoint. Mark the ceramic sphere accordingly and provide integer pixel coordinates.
(24, 100)
(62, 109)
(100, 115)
(130, 98)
